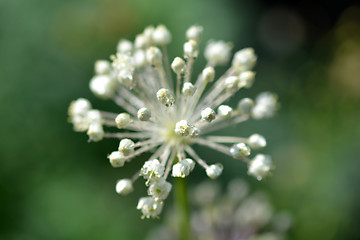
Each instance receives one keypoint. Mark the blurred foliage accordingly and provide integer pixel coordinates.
(55, 185)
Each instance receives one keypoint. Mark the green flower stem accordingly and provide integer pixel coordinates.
(182, 209)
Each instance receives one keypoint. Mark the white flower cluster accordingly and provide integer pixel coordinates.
(171, 116)
(237, 213)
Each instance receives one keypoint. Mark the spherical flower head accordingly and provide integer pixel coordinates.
(260, 166)
(265, 105)
(165, 97)
(159, 189)
(214, 171)
(256, 141)
(123, 120)
(161, 35)
(194, 33)
(188, 89)
(126, 146)
(124, 186)
(151, 169)
(183, 168)
(149, 207)
(125, 46)
(103, 86)
(168, 119)
(144, 114)
(240, 151)
(218, 52)
(117, 159)
(208, 114)
(244, 59)
(102, 67)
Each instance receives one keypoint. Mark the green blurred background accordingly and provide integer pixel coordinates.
(55, 185)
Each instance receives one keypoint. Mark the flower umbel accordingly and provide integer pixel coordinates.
(168, 117)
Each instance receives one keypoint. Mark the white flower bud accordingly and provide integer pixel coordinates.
(194, 33)
(183, 168)
(95, 132)
(214, 171)
(149, 207)
(140, 58)
(123, 120)
(117, 159)
(246, 79)
(103, 86)
(79, 107)
(191, 49)
(148, 32)
(152, 168)
(126, 146)
(161, 35)
(218, 53)
(165, 97)
(124, 186)
(232, 83)
(178, 66)
(265, 105)
(94, 116)
(260, 166)
(125, 46)
(154, 56)
(239, 151)
(144, 114)
(102, 67)
(125, 78)
(244, 59)
(194, 131)
(188, 89)
(208, 74)
(245, 105)
(124, 66)
(182, 128)
(159, 189)
(256, 141)
(208, 114)
(224, 111)
(140, 41)
(81, 124)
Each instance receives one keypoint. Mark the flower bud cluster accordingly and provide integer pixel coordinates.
(166, 117)
(227, 214)
(158, 188)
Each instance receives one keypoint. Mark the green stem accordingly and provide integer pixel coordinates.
(182, 209)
